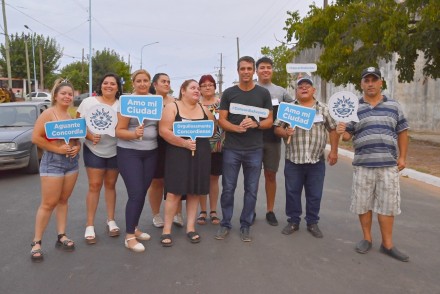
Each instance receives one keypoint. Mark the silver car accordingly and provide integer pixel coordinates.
(17, 120)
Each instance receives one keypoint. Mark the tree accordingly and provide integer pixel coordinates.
(281, 55)
(78, 74)
(355, 34)
(106, 61)
(51, 55)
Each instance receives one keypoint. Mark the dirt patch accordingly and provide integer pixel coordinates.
(422, 156)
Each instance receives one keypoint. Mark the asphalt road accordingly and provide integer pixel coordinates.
(271, 263)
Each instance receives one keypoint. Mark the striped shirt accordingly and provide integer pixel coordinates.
(375, 135)
(307, 146)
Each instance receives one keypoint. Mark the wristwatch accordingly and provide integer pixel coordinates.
(258, 124)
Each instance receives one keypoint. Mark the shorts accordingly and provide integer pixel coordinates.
(216, 164)
(92, 160)
(271, 156)
(58, 165)
(376, 189)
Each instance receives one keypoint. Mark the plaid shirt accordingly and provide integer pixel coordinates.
(307, 146)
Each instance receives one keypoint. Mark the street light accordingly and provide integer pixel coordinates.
(33, 56)
(143, 49)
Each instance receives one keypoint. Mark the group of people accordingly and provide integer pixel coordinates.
(153, 161)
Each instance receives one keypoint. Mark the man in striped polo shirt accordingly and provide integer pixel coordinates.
(380, 141)
(304, 166)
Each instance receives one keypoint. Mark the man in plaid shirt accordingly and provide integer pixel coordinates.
(305, 162)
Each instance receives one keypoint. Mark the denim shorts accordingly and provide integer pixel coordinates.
(93, 161)
(58, 165)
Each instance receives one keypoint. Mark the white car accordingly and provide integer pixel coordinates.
(39, 97)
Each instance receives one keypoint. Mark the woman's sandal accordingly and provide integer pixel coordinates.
(36, 254)
(113, 229)
(165, 237)
(214, 219)
(90, 235)
(139, 247)
(67, 245)
(141, 235)
(194, 237)
(201, 220)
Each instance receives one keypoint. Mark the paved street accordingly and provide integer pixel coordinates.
(271, 263)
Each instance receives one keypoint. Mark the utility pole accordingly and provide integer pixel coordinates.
(41, 69)
(220, 76)
(238, 49)
(324, 82)
(8, 58)
(27, 67)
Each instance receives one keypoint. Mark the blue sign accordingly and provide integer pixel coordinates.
(66, 129)
(194, 129)
(142, 106)
(296, 116)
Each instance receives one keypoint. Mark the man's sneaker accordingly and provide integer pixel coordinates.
(178, 220)
(363, 246)
(158, 221)
(315, 231)
(290, 228)
(222, 233)
(271, 218)
(245, 234)
(394, 253)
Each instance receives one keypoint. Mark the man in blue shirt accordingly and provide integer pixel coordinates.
(380, 140)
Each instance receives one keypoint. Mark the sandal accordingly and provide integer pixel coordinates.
(214, 219)
(194, 237)
(139, 247)
(165, 237)
(113, 229)
(64, 244)
(34, 252)
(201, 220)
(141, 235)
(90, 235)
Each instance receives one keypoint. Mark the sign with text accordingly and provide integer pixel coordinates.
(296, 115)
(301, 67)
(142, 106)
(247, 110)
(66, 129)
(194, 129)
(101, 119)
(343, 106)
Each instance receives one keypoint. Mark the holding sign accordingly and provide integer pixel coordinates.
(247, 110)
(101, 119)
(66, 129)
(343, 106)
(142, 106)
(194, 129)
(296, 116)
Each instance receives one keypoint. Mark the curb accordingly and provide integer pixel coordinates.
(407, 172)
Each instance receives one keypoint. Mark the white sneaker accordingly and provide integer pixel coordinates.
(178, 220)
(158, 221)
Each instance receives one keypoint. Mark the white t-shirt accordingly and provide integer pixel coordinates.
(106, 147)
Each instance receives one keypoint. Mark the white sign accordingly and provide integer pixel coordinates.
(256, 112)
(101, 119)
(301, 67)
(343, 106)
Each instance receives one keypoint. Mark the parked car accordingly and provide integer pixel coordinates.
(17, 121)
(78, 99)
(39, 96)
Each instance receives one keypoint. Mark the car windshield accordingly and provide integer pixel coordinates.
(18, 116)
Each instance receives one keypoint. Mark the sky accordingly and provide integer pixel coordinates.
(192, 35)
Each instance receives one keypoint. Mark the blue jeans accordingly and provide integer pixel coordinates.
(232, 162)
(137, 169)
(311, 178)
